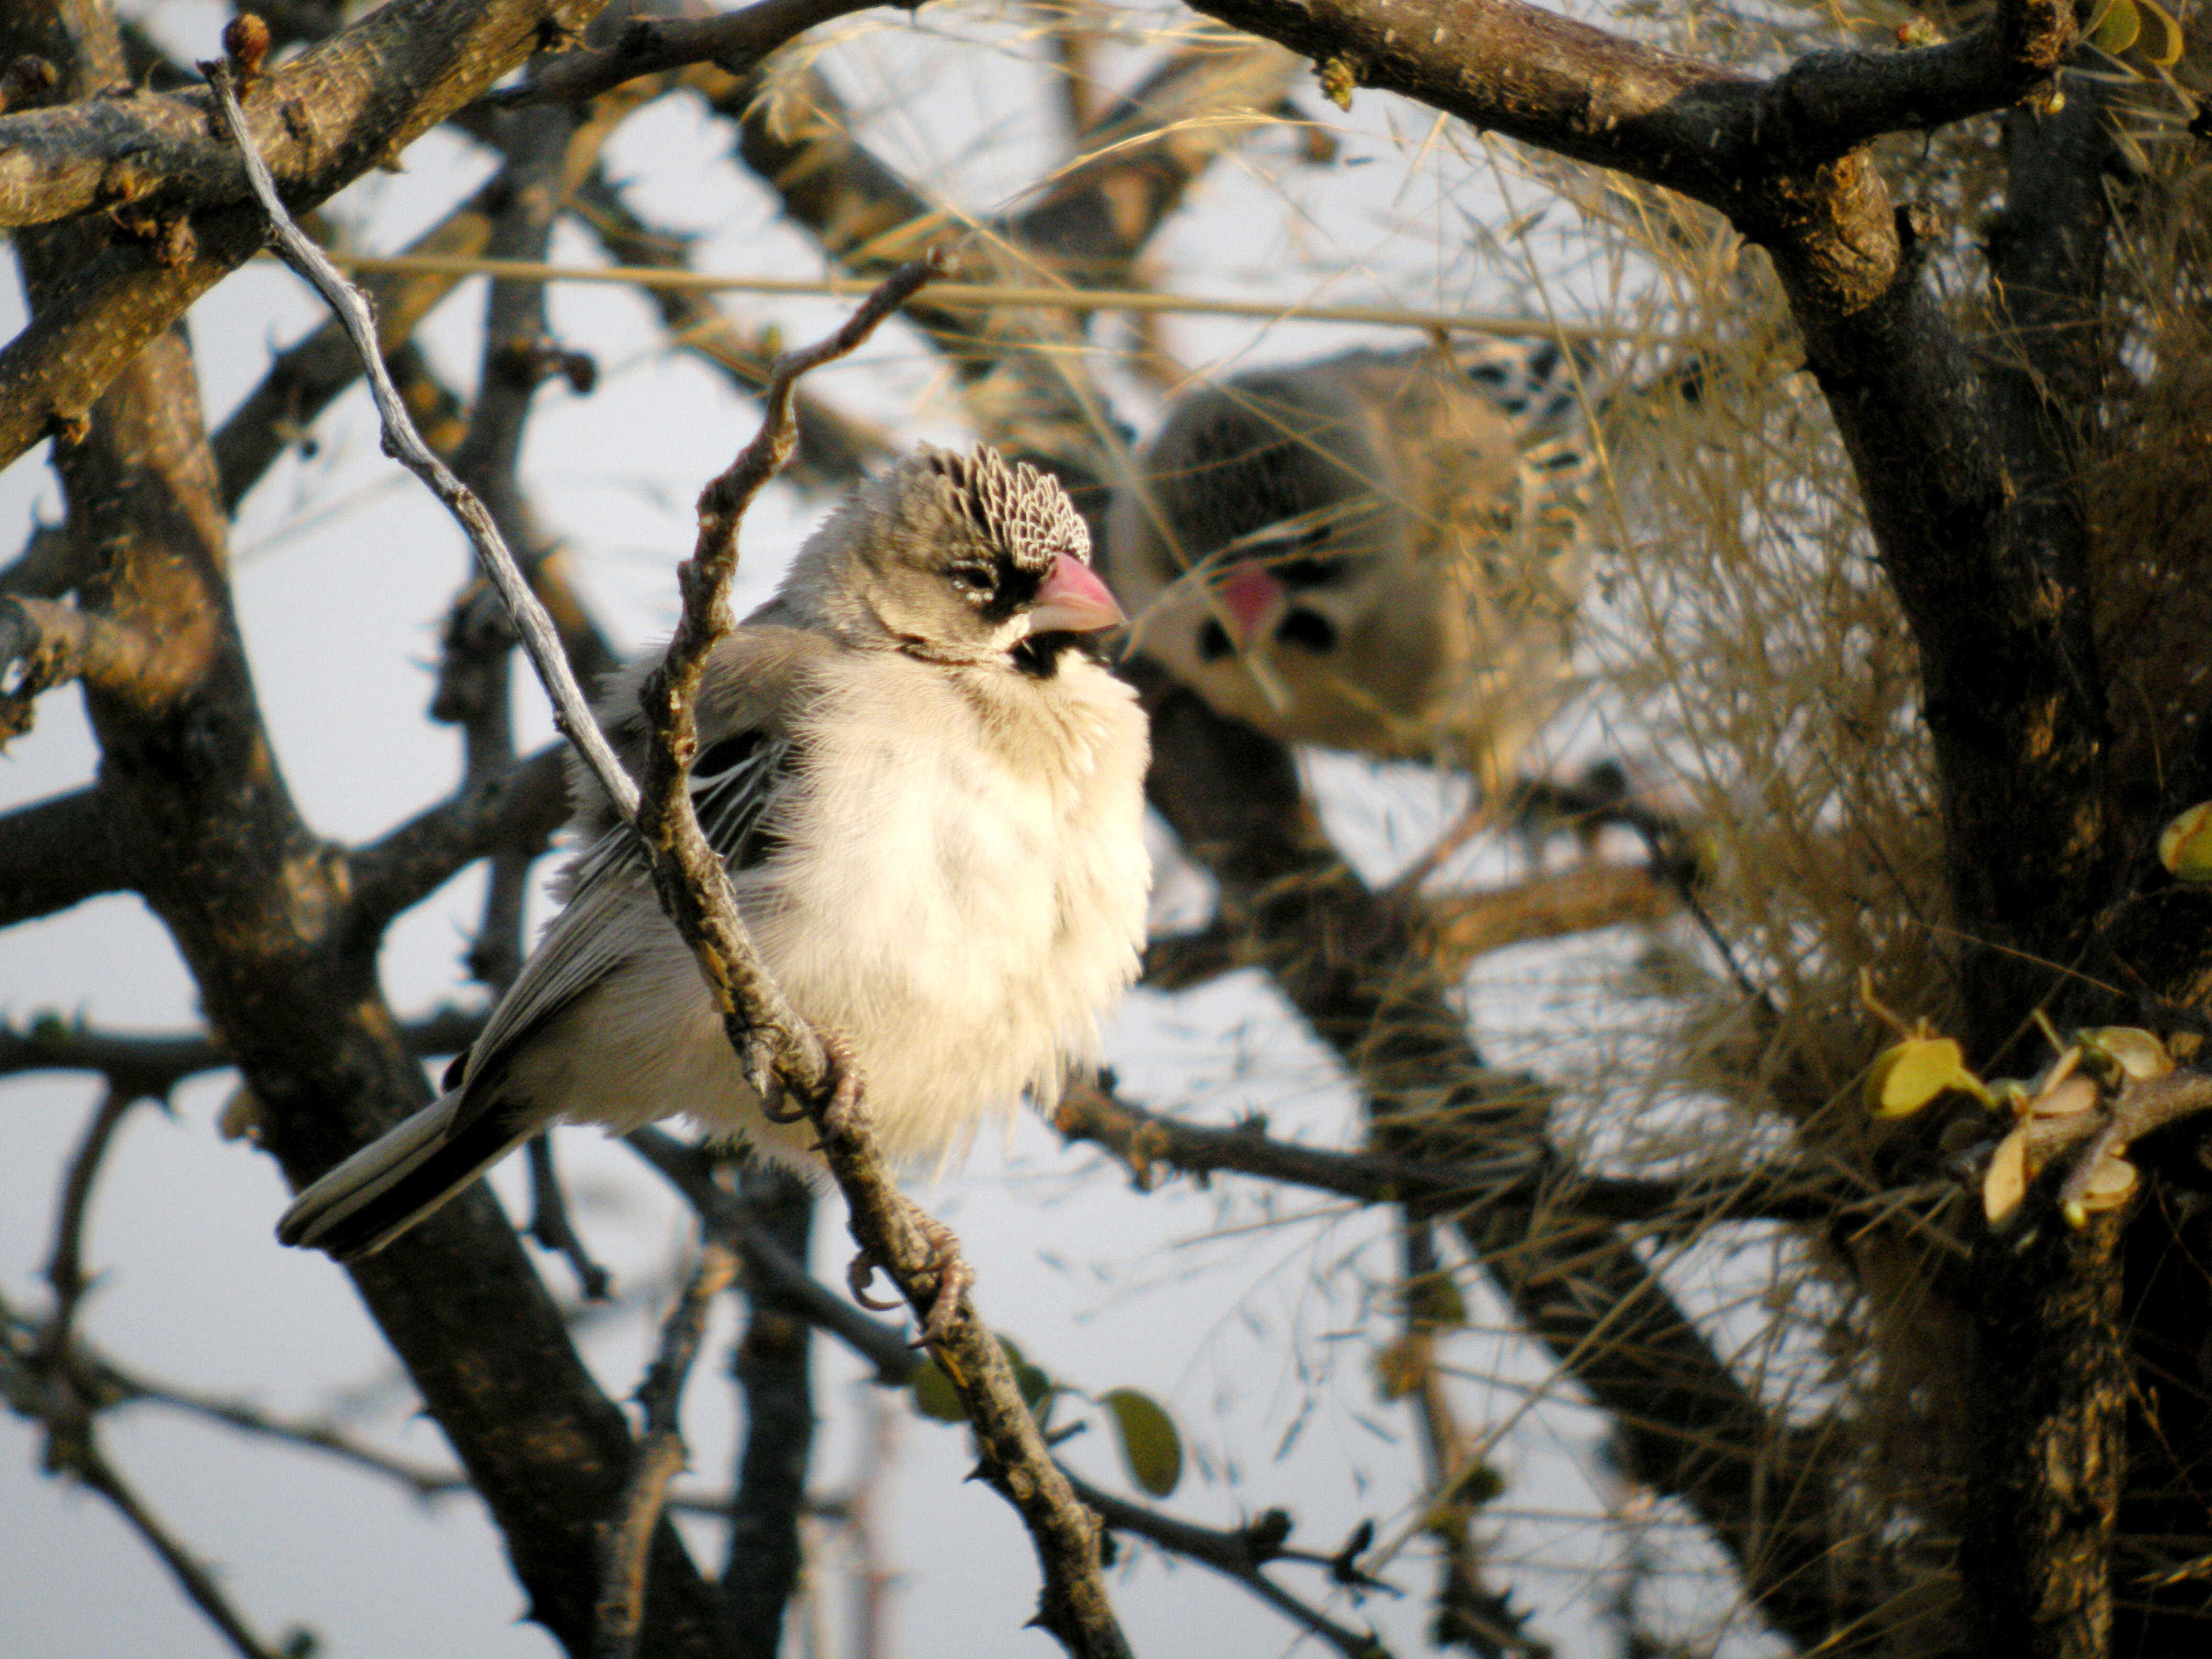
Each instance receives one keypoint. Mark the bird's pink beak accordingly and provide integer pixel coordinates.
(1072, 600)
(1250, 595)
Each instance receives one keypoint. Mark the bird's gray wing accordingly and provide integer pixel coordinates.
(733, 783)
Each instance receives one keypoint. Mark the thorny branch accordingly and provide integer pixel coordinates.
(659, 1456)
(1091, 1110)
(773, 1041)
(1239, 1555)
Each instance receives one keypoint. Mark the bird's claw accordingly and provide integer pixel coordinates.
(954, 1277)
(777, 1105)
(860, 1275)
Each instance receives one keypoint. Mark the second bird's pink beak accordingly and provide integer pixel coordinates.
(1251, 595)
(1072, 600)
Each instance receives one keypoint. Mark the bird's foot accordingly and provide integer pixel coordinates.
(954, 1278)
(844, 1081)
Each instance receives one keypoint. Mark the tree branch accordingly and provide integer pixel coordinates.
(1238, 1555)
(350, 104)
(1347, 962)
(835, 448)
(1145, 1141)
(659, 1456)
(150, 1067)
(766, 1553)
(305, 378)
(61, 851)
(49, 642)
(734, 41)
(771, 1270)
(521, 808)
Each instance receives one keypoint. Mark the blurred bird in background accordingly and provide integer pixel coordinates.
(1380, 552)
(929, 793)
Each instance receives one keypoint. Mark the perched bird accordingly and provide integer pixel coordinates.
(929, 793)
(1379, 552)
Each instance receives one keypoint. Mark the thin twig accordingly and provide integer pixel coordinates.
(660, 1455)
(772, 1270)
(65, 1264)
(1238, 1555)
(540, 640)
(1145, 1141)
(997, 296)
(549, 1224)
(98, 1474)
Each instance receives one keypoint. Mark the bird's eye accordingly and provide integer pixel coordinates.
(974, 578)
(1213, 642)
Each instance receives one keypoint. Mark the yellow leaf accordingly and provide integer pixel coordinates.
(2006, 1184)
(1151, 1447)
(1906, 1076)
(2184, 846)
(2132, 1050)
(2160, 44)
(1400, 1366)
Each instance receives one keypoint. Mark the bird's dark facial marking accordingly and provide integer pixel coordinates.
(1309, 629)
(1307, 572)
(723, 756)
(1213, 642)
(1000, 589)
(1038, 656)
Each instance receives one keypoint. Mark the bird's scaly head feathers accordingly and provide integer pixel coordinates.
(958, 558)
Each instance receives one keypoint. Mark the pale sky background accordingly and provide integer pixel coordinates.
(1253, 1316)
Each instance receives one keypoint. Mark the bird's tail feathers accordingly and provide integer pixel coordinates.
(397, 1179)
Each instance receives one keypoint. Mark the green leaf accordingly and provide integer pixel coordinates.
(934, 1395)
(1150, 1445)
(2116, 32)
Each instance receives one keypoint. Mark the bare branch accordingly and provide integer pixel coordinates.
(1711, 133)
(66, 1263)
(373, 88)
(48, 642)
(771, 1270)
(659, 1456)
(519, 809)
(91, 1466)
(540, 640)
(834, 447)
(765, 1554)
(307, 378)
(1454, 928)
(1090, 1110)
(1238, 1555)
(43, 1378)
(61, 851)
(735, 42)
(551, 1226)
(1691, 1428)
(148, 1068)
